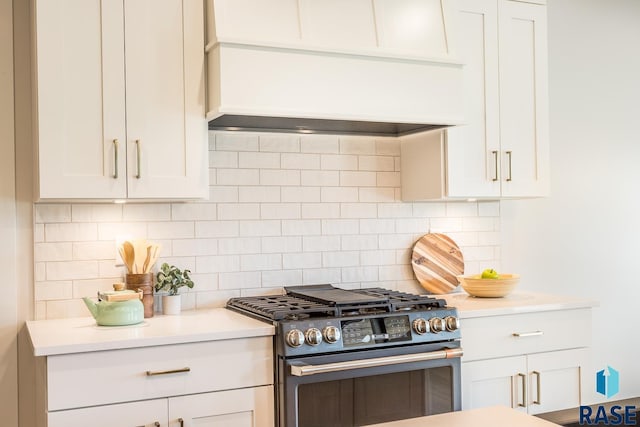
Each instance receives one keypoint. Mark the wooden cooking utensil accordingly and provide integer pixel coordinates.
(436, 261)
(145, 266)
(129, 255)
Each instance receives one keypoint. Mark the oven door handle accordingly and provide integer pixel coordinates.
(305, 370)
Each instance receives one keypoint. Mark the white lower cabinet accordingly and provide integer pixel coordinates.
(534, 383)
(214, 383)
(535, 362)
(249, 407)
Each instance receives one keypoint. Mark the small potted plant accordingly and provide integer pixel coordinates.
(170, 279)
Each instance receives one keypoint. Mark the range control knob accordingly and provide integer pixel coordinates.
(313, 336)
(420, 326)
(452, 323)
(437, 324)
(294, 338)
(331, 334)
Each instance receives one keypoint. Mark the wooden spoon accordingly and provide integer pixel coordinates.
(145, 266)
(129, 255)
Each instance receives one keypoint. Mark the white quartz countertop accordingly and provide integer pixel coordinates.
(514, 303)
(495, 416)
(81, 334)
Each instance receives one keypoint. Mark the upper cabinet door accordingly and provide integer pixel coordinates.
(166, 130)
(80, 92)
(474, 148)
(524, 100)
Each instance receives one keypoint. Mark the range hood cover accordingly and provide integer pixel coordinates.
(360, 68)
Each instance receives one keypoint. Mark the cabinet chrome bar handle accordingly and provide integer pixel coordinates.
(495, 159)
(537, 400)
(168, 372)
(523, 384)
(138, 159)
(181, 421)
(509, 156)
(116, 144)
(305, 370)
(528, 334)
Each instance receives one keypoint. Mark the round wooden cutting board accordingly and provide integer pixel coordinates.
(436, 261)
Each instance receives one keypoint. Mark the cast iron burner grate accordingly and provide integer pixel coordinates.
(322, 301)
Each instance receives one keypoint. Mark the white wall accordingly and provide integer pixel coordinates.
(284, 210)
(585, 239)
(8, 284)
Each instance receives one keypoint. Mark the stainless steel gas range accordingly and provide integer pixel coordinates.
(358, 357)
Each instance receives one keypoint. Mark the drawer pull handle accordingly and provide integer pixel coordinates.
(138, 160)
(523, 384)
(528, 334)
(495, 159)
(170, 371)
(537, 400)
(116, 145)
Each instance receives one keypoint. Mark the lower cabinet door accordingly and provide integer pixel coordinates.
(491, 382)
(248, 407)
(535, 383)
(555, 379)
(147, 413)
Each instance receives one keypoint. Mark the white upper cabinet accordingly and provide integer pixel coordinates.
(502, 150)
(120, 99)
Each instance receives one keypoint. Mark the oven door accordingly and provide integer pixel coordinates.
(370, 386)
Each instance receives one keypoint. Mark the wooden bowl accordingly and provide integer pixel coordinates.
(489, 288)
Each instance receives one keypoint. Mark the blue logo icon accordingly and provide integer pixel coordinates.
(608, 382)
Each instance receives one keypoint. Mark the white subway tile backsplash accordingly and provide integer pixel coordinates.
(238, 211)
(96, 213)
(280, 278)
(280, 211)
(279, 177)
(300, 161)
(71, 270)
(338, 194)
(171, 230)
(320, 178)
(194, 211)
(358, 210)
(222, 194)
(303, 227)
(357, 179)
(259, 160)
(61, 251)
(45, 213)
(207, 229)
(232, 141)
(302, 260)
(320, 210)
(239, 280)
(237, 177)
(280, 143)
(340, 226)
(300, 194)
(376, 163)
(70, 232)
(283, 210)
(259, 194)
(261, 262)
(338, 162)
(239, 245)
(357, 145)
(223, 159)
(100, 250)
(261, 228)
(319, 144)
(281, 244)
(341, 259)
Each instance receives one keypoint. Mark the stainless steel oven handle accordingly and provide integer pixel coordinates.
(305, 370)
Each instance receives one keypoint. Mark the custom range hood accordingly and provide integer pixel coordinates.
(365, 67)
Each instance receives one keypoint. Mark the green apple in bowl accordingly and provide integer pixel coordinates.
(490, 273)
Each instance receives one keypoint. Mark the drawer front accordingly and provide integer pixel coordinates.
(516, 334)
(86, 379)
